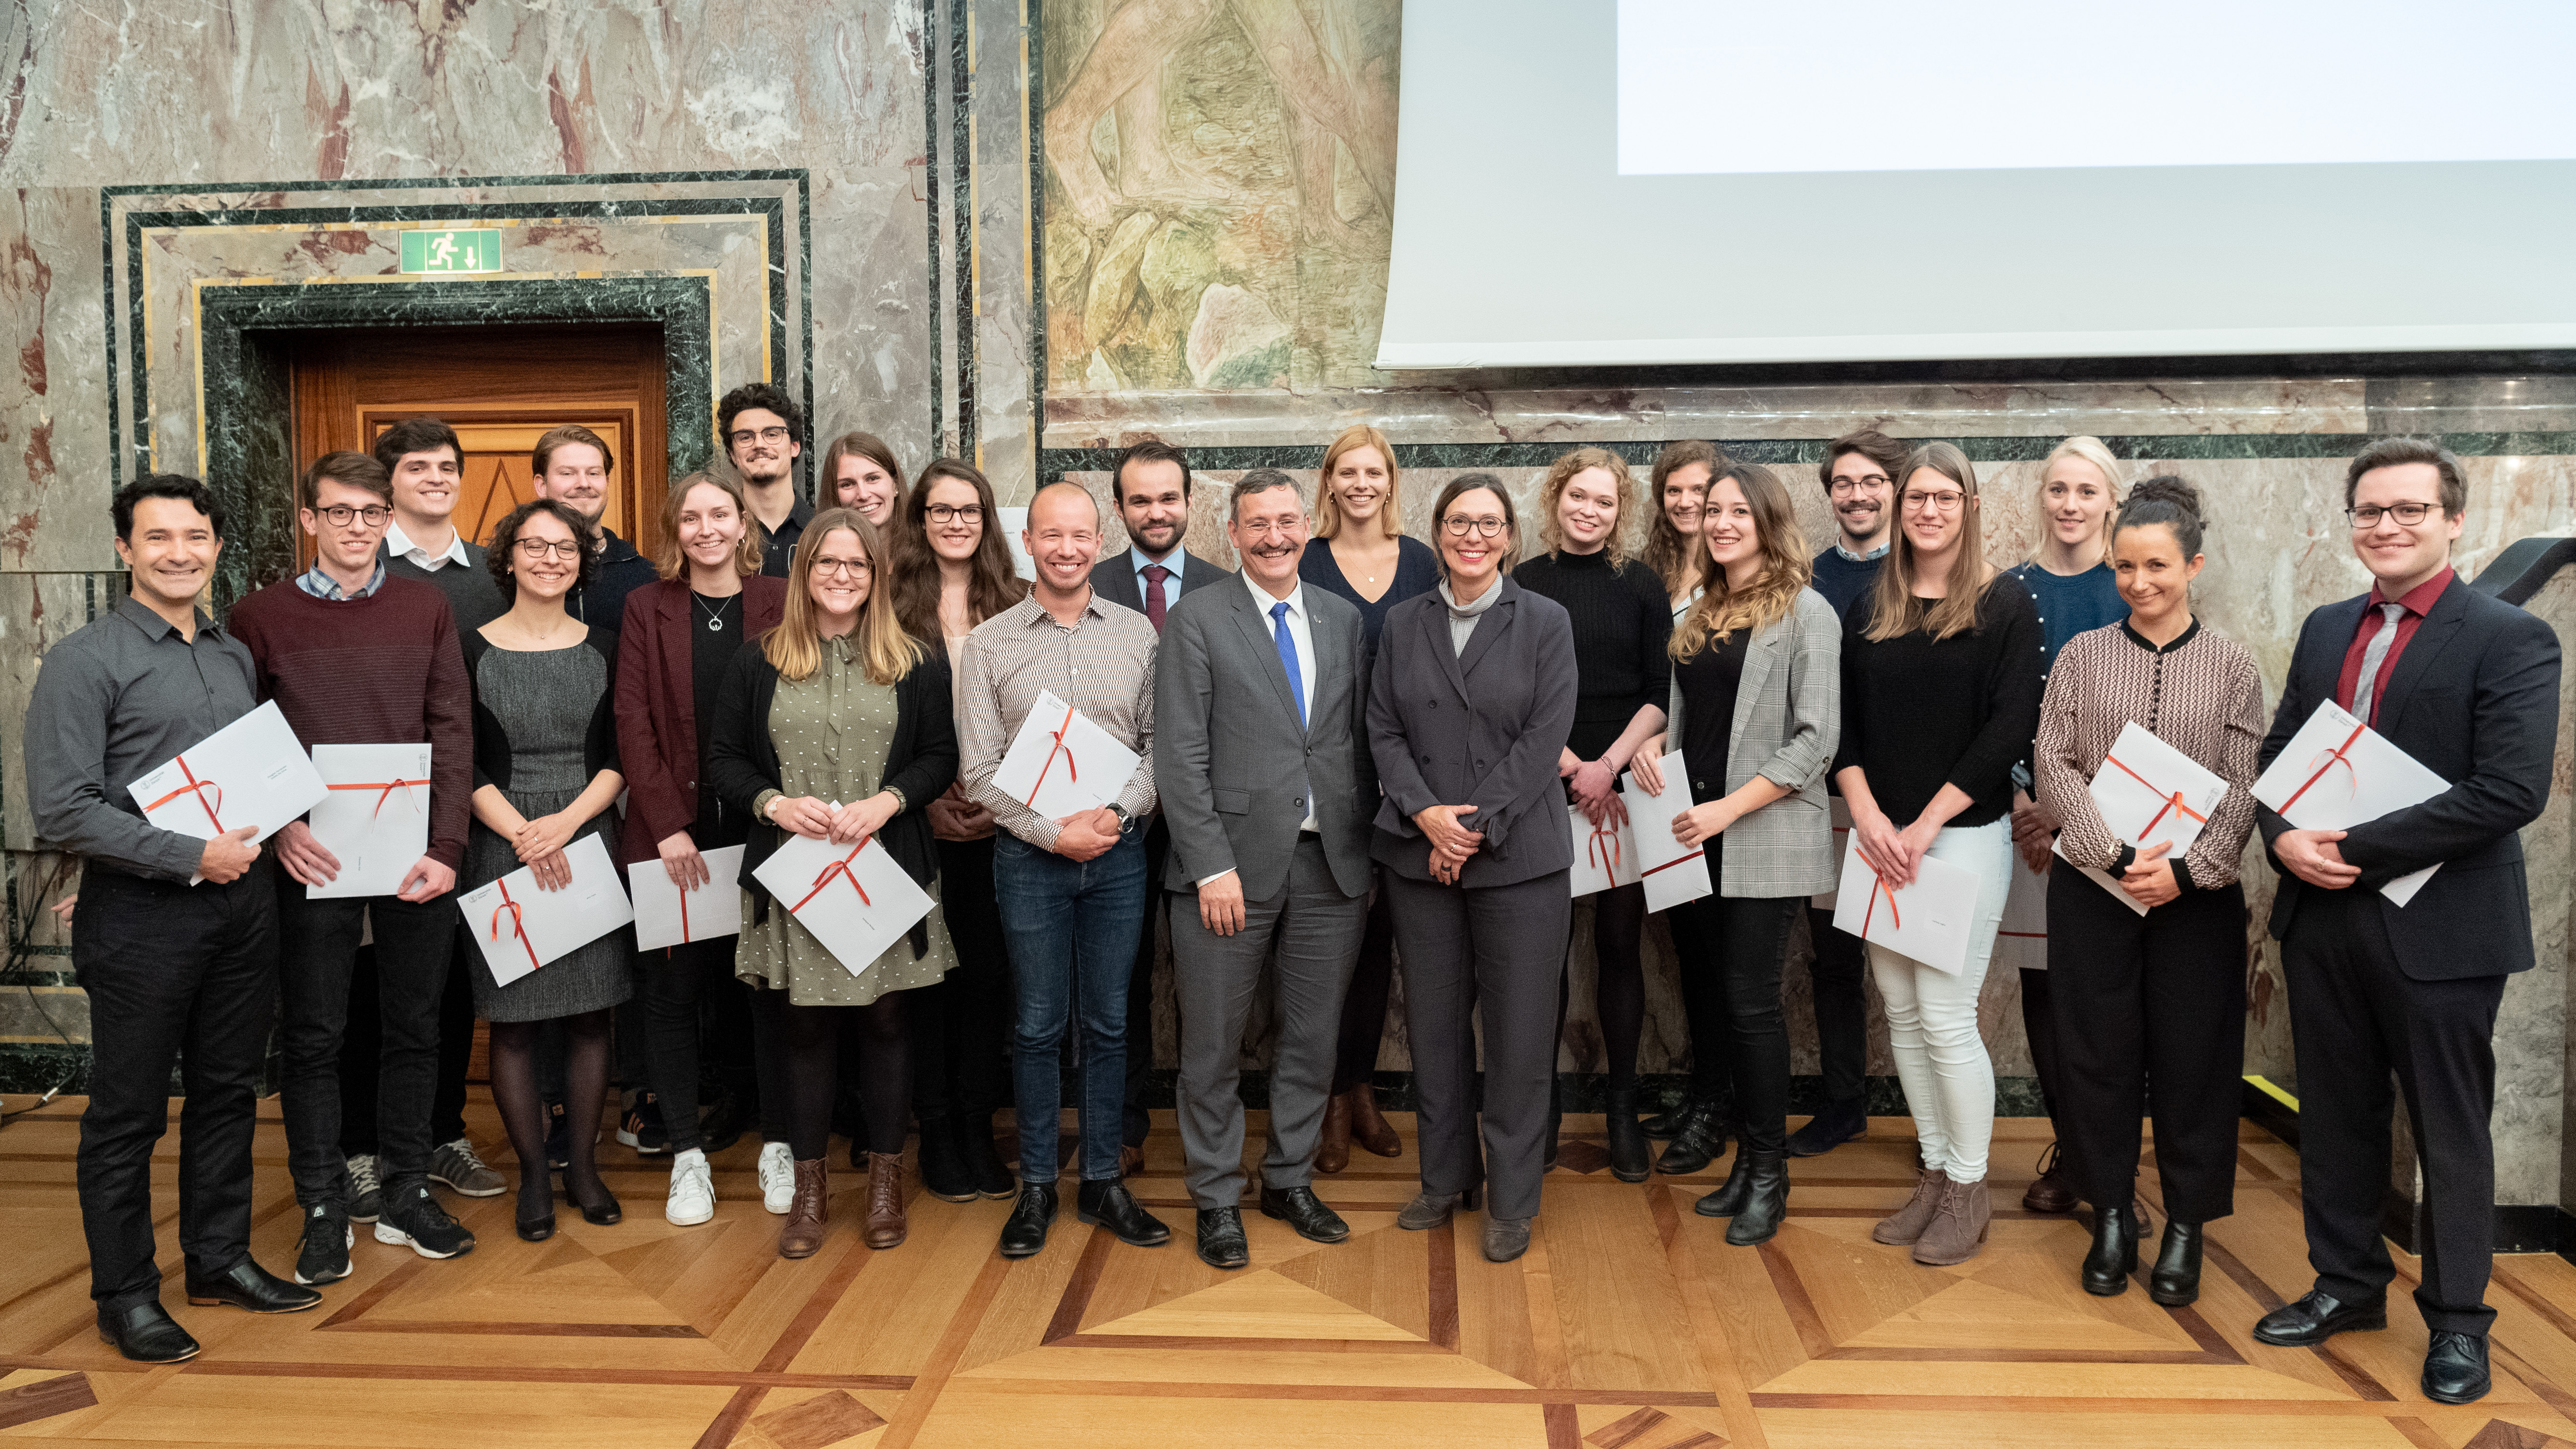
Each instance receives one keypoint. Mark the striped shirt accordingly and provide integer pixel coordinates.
(1102, 666)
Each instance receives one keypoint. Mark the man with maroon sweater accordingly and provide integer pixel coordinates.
(353, 655)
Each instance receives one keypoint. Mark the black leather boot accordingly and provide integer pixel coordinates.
(944, 1174)
(2115, 1252)
(2176, 1279)
(1667, 1124)
(1629, 1156)
(1730, 1198)
(1766, 1199)
(1702, 1140)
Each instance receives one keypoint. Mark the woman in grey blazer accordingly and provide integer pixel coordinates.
(1756, 710)
(1471, 701)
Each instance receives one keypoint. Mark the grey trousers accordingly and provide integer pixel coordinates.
(1501, 948)
(1316, 930)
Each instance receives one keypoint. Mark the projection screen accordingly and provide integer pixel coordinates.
(1589, 182)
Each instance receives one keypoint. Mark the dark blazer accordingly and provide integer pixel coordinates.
(492, 743)
(1482, 729)
(657, 704)
(1231, 764)
(742, 761)
(1114, 578)
(2475, 699)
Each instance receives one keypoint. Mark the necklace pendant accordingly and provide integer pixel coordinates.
(715, 626)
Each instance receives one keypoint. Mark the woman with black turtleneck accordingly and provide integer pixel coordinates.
(1622, 621)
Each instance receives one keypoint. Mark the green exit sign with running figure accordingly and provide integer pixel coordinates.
(436, 252)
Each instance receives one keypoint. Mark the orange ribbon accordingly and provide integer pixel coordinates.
(1878, 887)
(840, 868)
(387, 786)
(2333, 758)
(2172, 802)
(1058, 748)
(197, 788)
(518, 925)
(1604, 850)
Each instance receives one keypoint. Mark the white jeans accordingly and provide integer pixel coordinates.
(1932, 1016)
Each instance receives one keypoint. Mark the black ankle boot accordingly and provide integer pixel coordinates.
(1667, 1124)
(2176, 1279)
(1766, 1199)
(1629, 1156)
(943, 1164)
(1730, 1198)
(1702, 1140)
(2115, 1252)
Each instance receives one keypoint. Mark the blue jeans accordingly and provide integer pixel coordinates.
(1071, 927)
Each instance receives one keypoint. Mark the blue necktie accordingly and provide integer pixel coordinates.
(1288, 657)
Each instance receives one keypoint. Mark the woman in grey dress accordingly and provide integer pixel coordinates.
(837, 725)
(545, 774)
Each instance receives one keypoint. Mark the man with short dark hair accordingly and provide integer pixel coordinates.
(764, 434)
(426, 464)
(2468, 686)
(572, 465)
(355, 656)
(1151, 485)
(176, 974)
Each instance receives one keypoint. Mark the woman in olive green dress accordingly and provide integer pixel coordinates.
(837, 704)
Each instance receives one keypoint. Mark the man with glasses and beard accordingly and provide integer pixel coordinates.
(763, 431)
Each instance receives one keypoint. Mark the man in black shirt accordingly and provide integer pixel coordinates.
(763, 431)
(571, 465)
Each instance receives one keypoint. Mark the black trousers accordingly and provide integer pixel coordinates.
(363, 1041)
(961, 1024)
(316, 959)
(680, 981)
(1733, 950)
(2357, 1018)
(2039, 1028)
(184, 975)
(2149, 1013)
(1134, 1120)
(1836, 973)
(1364, 1004)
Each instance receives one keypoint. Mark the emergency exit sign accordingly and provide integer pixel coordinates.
(440, 252)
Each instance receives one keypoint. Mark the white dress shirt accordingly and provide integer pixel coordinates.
(1302, 636)
(1171, 585)
(399, 544)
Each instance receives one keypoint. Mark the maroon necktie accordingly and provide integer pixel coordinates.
(1154, 576)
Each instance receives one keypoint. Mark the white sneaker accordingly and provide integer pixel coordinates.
(777, 1177)
(693, 1190)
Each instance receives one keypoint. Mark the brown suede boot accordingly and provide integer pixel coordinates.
(808, 1215)
(1334, 1152)
(1370, 1129)
(1910, 1220)
(885, 1226)
(1958, 1226)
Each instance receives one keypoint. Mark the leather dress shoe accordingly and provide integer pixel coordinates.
(1429, 1210)
(2115, 1252)
(146, 1333)
(1221, 1243)
(1111, 1205)
(1506, 1238)
(2455, 1368)
(2317, 1317)
(2176, 1279)
(249, 1286)
(2050, 1192)
(1299, 1208)
(1024, 1235)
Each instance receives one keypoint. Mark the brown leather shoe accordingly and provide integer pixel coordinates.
(1958, 1226)
(885, 1223)
(1334, 1153)
(1909, 1221)
(809, 1214)
(1131, 1160)
(1368, 1128)
(2050, 1193)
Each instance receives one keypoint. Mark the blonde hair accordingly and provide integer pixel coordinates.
(2089, 449)
(1328, 508)
(1894, 610)
(671, 562)
(1720, 610)
(1624, 484)
(795, 650)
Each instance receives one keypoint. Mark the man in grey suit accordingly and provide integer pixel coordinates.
(1151, 576)
(1262, 766)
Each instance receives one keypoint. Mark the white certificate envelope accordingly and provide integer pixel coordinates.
(1927, 921)
(2335, 774)
(521, 928)
(375, 818)
(2150, 794)
(1842, 836)
(251, 772)
(667, 916)
(1672, 872)
(857, 902)
(1602, 858)
(1061, 763)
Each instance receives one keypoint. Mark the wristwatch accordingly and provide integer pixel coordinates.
(1124, 819)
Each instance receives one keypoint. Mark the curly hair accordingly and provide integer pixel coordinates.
(1562, 471)
(504, 548)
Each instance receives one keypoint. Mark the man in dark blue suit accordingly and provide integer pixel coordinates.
(2468, 686)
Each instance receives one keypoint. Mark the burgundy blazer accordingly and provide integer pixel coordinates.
(657, 726)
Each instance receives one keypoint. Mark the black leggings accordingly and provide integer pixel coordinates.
(675, 981)
(1619, 980)
(810, 1042)
(523, 1106)
(2039, 1024)
(1364, 1004)
(1735, 946)
(961, 1024)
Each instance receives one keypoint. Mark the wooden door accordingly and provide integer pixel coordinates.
(500, 388)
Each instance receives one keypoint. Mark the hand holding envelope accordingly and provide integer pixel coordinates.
(1672, 872)
(1061, 763)
(375, 818)
(666, 915)
(857, 900)
(251, 773)
(2337, 773)
(1604, 855)
(520, 928)
(1927, 921)
(2150, 794)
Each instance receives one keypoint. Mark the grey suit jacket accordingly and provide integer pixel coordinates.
(1788, 721)
(1232, 766)
(1483, 729)
(1114, 579)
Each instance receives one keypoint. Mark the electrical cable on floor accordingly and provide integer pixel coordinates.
(22, 953)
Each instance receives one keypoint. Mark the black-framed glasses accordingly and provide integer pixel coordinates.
(955, 512)
(1946, 500)
(339, 514)
(2409, 513)
(1844, 487)
(1488, 526)
(745, 437)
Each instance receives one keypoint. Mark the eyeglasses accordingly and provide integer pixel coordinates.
(2409, 513)
(845, 568)
(956, 513)
(1945, 501)
(339, 514)
(1841, 487)
(533, 549)
(743, 437)
(1485, 527)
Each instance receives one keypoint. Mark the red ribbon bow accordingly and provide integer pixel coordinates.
(1058, 748)
(197, 788)
(518, 924)
(840, 868)
(1603, 850)
(2172, 802)
(1878, 887)
(2332, 758)
(387, 786)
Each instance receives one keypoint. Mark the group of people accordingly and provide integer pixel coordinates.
(1357, 749)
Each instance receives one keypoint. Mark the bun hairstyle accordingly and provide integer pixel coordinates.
(2168, 500)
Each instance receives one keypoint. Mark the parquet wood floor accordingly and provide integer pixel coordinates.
(1630, 1325)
